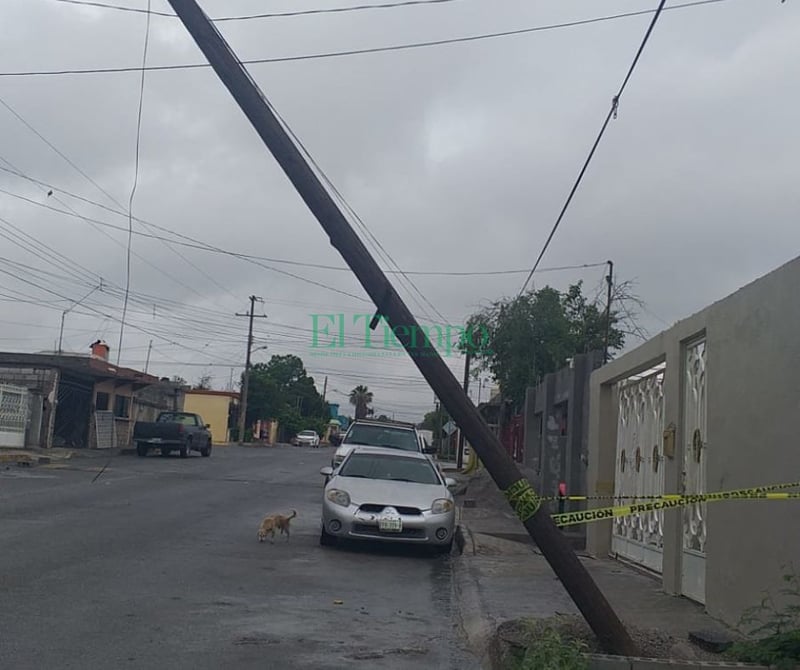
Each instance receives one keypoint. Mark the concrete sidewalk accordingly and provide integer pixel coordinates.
(502, 580)
(34, 456)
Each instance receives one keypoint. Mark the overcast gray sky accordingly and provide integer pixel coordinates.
(457, 157)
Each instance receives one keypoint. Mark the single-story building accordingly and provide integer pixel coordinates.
(78, 401)
(218, 408)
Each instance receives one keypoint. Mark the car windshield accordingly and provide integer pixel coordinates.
(390, 468)
(382, 436)
(306, 433)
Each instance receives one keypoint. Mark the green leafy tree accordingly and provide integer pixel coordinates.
(535, 333)
(283, 390)
(434, 420)
(361, 399)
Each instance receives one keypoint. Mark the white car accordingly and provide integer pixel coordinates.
(307, 438)
(389, 495)
(381, 434)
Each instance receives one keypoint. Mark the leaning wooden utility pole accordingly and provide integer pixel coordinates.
(526, 504)
(460, 453)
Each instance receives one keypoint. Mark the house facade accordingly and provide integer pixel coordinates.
(77, 401)
(218, 408)
(710, 405)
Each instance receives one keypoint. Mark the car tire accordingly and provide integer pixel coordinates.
(186, 447)
(141, 450)
(205, 452)
(164, 452)
(326, 539)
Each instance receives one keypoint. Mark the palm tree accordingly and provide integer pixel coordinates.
(361, 397)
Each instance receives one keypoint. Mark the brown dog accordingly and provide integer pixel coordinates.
(275, 522)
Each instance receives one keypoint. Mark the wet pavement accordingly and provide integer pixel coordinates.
(156, 564)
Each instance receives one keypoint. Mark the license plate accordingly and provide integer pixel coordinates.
(390, 525)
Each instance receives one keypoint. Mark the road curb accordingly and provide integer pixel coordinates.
(475, 626)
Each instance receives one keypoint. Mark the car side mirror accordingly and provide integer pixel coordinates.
(327, 471)
(450, 482)
(430, 449)
(208, 426)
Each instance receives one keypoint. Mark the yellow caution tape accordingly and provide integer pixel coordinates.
(674, 496)
(674, 501)
(523, 499)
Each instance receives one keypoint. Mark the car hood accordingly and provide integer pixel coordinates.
(383, 492)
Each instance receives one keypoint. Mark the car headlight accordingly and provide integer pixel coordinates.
(442, 506)
(338, 497)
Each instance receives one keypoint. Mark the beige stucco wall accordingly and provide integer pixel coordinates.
(213, 409)
(753, 421)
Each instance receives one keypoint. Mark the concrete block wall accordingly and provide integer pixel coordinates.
(752, 419)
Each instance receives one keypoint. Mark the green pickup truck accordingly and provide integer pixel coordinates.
(173, 431)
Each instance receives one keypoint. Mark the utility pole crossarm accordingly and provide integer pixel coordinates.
(536, 518)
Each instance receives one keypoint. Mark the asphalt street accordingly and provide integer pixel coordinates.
(156, 565)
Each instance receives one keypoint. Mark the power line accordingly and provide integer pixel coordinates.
(271, 15)
(376, 244)
(135, 184)
(356, 52)
(72, 212)
(205, 247)
(195, 243)
(612, 112)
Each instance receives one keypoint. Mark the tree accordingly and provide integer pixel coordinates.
(204, 383)
(534, 334)
(179, 380)
(281, 389)
(435, 420)
(361, 398)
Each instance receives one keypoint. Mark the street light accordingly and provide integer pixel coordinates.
(73, 306)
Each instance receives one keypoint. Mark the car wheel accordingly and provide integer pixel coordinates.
(326, 539)
(164, 452)
(186, 447)
(206, 451)
(141, 450)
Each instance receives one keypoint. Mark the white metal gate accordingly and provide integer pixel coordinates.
(13, 415)
(693, 563)
(639, 469)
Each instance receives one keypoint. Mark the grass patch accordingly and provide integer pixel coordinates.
(773, 629)
(539, 645)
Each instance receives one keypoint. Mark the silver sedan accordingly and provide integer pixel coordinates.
(389, 495)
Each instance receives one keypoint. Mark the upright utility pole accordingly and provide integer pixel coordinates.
(521, 497)
(246, 381)
(325, 388)
(147, 362)
(460, 454)
(610, 281)
(437, 436)
(69, 309)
